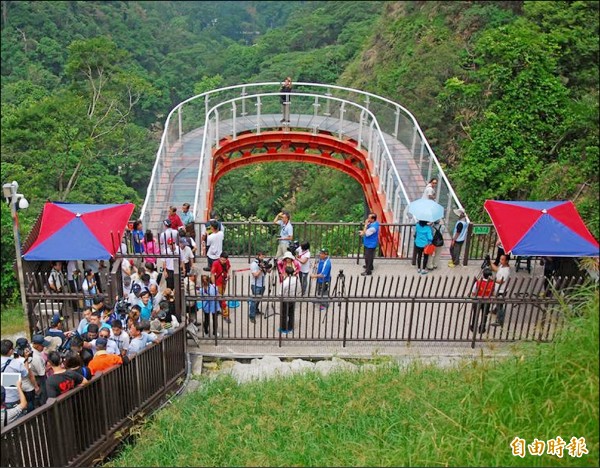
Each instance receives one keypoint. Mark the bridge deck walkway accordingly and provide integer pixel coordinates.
(179, 177)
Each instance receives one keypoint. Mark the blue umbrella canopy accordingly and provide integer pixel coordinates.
(425, 209)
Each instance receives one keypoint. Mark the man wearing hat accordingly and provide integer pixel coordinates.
(323, 277)
(56, 328)
(38, 367)
(459, 236)
(168, 234)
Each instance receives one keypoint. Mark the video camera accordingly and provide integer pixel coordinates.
(266, 265)
(294, 245)
(22, 348)
(122, 308)
(487, 261)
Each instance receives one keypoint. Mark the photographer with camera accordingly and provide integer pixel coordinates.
(286, 232)
(38, 367)
(17, 360)
(323, 277)
(259, 268)
(370, 235)
(303, 257)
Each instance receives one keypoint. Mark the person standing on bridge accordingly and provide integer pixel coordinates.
(458, 237)
(286, 232)
(186, 216)
(176, 222)
(285, 90)
(429, 191)
(370, 235)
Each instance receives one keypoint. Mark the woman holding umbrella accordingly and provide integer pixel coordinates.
(423, 238)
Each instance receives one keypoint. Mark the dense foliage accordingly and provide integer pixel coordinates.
(506, 91)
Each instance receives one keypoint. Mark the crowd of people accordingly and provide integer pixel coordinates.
(58, 360)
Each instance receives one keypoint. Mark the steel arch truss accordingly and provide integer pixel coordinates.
(321, 148)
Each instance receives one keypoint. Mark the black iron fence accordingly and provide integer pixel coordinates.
(389, 308)
(82, 426)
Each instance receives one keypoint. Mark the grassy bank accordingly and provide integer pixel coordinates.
(13, 320)
(391, 417)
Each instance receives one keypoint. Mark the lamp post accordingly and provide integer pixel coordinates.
(17, 202)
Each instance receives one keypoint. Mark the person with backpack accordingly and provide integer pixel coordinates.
(438, 230)
(482, 290)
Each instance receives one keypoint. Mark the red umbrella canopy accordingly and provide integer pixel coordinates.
(71, 231)
(539, 228)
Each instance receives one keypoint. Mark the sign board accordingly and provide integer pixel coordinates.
(481, 230)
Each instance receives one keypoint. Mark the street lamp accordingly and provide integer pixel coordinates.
(17, 202)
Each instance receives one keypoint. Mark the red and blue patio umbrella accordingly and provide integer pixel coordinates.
(541, 228)
(71, 231)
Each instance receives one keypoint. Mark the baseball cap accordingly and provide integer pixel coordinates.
(39, 339)
(324, 250)
(459, 212)
(288, 255)
(167, 222)
(162, 315)
(56, 319)
(136, 288)
(101, 342)
(21, 343)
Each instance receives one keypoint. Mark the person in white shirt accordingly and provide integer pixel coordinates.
(429, 191)
(120, 337)
(214, 244)
(169, 264)
(502, 276)
(167, 235)
(303, 257)
(186, 255)
(289, 291)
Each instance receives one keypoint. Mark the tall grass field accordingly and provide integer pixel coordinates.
(392, 416)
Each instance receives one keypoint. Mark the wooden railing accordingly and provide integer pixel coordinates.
(82, 426)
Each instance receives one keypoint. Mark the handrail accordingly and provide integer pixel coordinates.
(343, 101)
(207, 95)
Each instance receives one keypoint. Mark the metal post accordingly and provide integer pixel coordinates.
(10, 192)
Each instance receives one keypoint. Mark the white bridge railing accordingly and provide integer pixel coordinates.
(387, 131)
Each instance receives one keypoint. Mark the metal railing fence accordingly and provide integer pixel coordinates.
(81, 427)
(246, 238)
(389, 308)
(336, 104)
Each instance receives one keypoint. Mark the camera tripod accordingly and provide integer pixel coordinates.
(272, 285)
(339, 291)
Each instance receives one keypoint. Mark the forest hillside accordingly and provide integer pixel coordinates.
(506, 92)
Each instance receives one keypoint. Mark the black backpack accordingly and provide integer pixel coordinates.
(438, 239)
